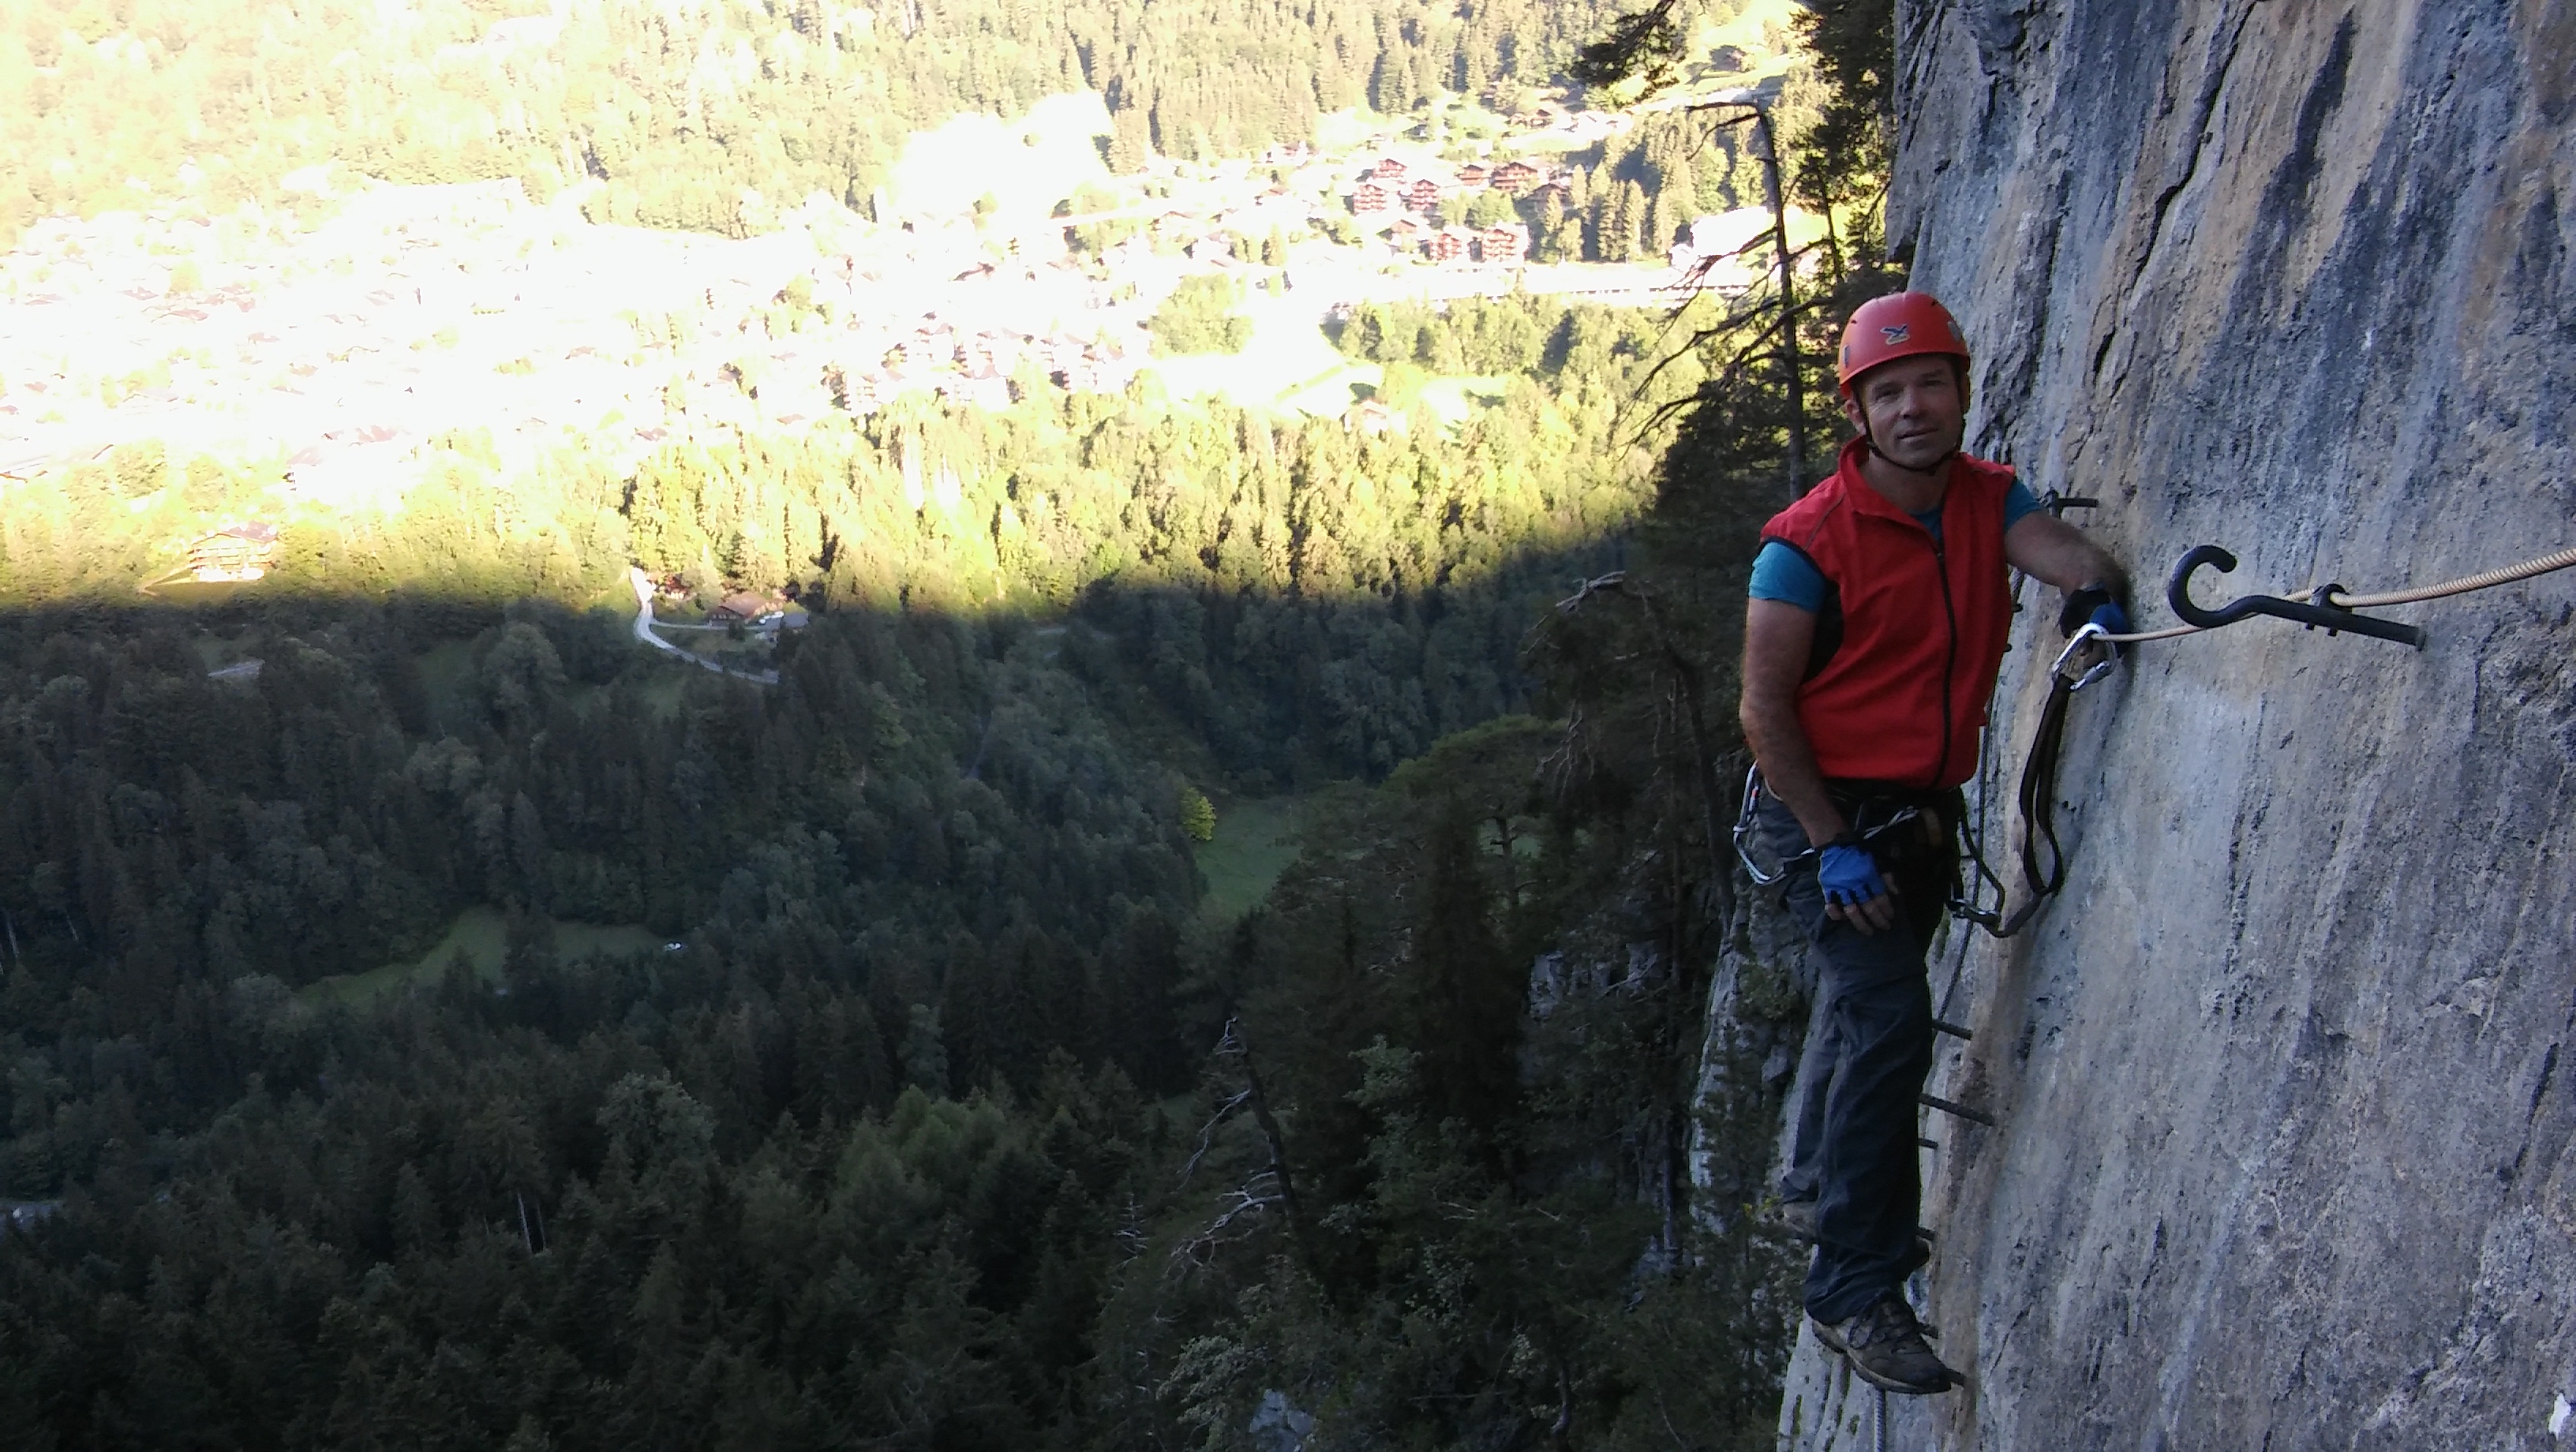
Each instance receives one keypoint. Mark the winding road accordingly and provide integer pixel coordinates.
(643, 584)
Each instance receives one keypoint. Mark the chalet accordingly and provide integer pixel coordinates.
(240, 553)
(1368, 196)
(1512, 176)
(1450, 244)
(739, 608)
(1503, 242)
(1387, 169)
(1405, 234)
(1423, 195)
(1471, 175)
(1564, 194)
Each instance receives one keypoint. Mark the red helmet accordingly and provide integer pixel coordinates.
(1899, 325)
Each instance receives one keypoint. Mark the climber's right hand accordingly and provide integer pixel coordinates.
(1854, 892)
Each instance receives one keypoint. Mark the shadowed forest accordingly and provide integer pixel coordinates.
(935, 1119)
(932, 1112)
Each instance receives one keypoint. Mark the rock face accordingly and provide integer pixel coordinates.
(2284, 1079)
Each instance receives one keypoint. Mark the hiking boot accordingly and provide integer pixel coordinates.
(1884, 1345)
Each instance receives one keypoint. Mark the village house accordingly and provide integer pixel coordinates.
(740, 608)
(234, 555)
(1503, 242)
(1450, 244)
(1405, 235)
(1387, 169)
(1513, 176)
(1471, 175)
(1368, 196)
(1423, 195)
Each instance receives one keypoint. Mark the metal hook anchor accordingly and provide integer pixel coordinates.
(2317, 610)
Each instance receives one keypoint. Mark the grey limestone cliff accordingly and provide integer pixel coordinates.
(2287, 1143)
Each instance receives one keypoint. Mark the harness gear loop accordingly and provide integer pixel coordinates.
(1747, 833)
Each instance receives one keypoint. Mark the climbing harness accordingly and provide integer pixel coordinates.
(1867, 822)
(2326, 607)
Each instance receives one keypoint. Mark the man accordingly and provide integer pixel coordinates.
(1880, 607)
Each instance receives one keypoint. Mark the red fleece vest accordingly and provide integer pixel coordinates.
(1922, 625)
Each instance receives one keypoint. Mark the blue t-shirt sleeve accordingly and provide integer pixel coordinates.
(2019, 501)
(1781, 573)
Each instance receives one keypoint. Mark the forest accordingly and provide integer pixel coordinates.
(926, 1106)
(713, 116)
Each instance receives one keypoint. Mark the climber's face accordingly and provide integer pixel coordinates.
(1913, 409)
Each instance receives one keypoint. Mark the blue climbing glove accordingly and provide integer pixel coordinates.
(2094, 605)
(1847, 873)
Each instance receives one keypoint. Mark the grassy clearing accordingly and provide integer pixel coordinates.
(1287, 353)
(187, 590)
(1255, 841)
(662, 692)
(1453, 398)
(482, 936)
(1331, 393)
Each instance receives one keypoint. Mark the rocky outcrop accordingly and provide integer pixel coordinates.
(2286, 1108)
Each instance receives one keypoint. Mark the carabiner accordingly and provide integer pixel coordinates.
(1746, 833)
(2085, 634)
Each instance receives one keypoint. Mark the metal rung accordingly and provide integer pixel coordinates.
(1935, 1101)
(1930, 1144)
(1943, 1026)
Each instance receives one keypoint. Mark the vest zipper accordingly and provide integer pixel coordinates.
(1949, 658)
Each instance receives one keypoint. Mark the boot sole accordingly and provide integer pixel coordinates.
(1889, 1383)
(1836, 1345)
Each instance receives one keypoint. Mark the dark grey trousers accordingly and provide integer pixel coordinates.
(1868, 1051)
